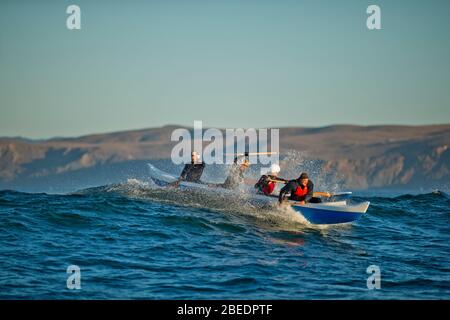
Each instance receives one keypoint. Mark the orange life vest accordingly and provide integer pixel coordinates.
(300, 192)
(268, 188)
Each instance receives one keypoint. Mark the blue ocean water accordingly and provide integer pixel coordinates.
(133, 241)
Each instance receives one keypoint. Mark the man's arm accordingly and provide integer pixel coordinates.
(184, 172)
(236, 158)
(286, 189)
(309, 195)
(260, 182)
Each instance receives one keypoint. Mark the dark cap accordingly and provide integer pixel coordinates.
(304, 175)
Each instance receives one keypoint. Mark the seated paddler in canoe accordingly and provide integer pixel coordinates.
(192, 172)
(236, 174)
(300, 189)
(267, 183)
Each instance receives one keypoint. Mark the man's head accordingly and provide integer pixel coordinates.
(244, 165)
(303, 179)
(194, 157)
(274, 169)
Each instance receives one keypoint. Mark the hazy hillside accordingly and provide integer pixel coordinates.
(407, 157)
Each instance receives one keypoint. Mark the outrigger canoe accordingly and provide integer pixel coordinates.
(333, 212)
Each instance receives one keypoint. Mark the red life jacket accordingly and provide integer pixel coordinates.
(268, 188)
(299, 192)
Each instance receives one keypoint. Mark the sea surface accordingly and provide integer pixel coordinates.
(134, 240)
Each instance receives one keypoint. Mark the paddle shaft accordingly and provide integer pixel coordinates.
(250, 153)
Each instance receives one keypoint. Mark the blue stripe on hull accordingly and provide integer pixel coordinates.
(323, 216)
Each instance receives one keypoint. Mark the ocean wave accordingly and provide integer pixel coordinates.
(137, 240)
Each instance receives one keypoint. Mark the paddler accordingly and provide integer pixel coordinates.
(236, 175)
(267, 183)
(301, 190)
(192, 172)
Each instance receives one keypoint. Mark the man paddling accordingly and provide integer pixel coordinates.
(192, 172)
(267, 183)
(236, 175)
(301, 189)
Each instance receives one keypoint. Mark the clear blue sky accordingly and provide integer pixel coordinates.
(138, 64)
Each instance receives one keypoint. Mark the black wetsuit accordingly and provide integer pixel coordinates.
(292, 186)
(192, 172)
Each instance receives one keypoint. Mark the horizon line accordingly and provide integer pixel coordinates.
(220, 128)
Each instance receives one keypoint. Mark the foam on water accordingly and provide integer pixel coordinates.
(238, 203)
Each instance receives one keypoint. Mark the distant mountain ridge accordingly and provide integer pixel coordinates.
(366, 156)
